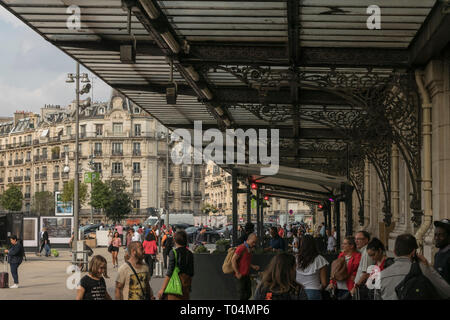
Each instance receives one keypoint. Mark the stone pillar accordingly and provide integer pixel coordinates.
(395, 196)
(366, 194)
(437, 82)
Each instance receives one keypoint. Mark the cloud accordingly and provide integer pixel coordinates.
(8, 18)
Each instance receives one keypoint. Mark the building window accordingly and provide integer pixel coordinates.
(97, 167)
(137, 130)
(44, 153)
(185, 187)
(44, 187)
(56, 187)
(117, 168)
(136, 167)
(83, 131)
(136, 186)
(117, 127)
(98, 149)
(57, 169)
(28, 189)
(137, 110)
(101, 111)
(99, 129)
(68, 131)
(136, 204)
(28, 172)
(29, 155)
(117, 148)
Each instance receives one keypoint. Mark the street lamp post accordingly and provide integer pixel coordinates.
(70, 79)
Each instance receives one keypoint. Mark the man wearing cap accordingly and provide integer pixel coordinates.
(442, 242)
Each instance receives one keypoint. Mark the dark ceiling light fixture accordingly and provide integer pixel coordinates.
(171, 90)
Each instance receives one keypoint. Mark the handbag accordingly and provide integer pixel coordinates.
(110, 248)
(339, 269)
(174, 285)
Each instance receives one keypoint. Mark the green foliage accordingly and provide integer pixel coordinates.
(12, 198)
(223, 242)
(207, 208)
(43, 202)
(201, 249)
(101, 195)
(68, 192)
(120, 204)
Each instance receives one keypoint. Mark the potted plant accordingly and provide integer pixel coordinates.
(201, 249)
(222, 245)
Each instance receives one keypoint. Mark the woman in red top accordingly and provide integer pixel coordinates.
(352, 258)
(150, 251)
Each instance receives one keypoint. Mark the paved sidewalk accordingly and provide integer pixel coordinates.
(44, 278)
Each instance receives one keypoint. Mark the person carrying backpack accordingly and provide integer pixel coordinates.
(167, 245)
(411, 277)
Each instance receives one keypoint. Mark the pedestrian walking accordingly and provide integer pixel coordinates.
(182, 258)
(150, 251)
(278, 280)
(296, 241)
(406, 258)
(241, 263)
(311, 268)
(93, 286)
(331, 242)
(136, 236)
(346, 265)
(119, 229)
(167, 245)
(46, 242)
(114, 246)
(133, 277)
(129, 237)
(442, 242)
(15, 258)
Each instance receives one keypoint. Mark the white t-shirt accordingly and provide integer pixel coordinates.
(364, 263)
(342, 285)
(136, 237)
(331, 243)
(310, 277)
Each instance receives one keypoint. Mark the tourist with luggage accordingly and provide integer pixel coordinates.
(311, 268)
(241, 263)
(411, 277)
(15, 258)
(150, 251)
(181, 265)
(442, 242)
(278, 280)
(133, 277)
(93, 286)
(114, 249)
(344, 268)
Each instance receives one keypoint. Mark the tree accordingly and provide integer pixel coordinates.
(44, 202)
(68, 192)
(101, 194)
(120, 204)
(12, 198)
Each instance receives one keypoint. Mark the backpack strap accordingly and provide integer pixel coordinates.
(139, 280)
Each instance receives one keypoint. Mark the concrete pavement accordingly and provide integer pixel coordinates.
(44, 278)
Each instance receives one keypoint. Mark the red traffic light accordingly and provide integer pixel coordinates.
(254, 186)
(320, 206)
(266, 197)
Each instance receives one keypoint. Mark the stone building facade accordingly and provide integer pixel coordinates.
(117, 139)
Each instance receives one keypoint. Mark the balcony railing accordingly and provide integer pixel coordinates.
(65, 175)
(43, 176)
(36, 176)
(197, 175)
(136, 152)
(9, 162)
(137, 173)
(36, 158)
(9, 179)
(18, 179)
(27, 195)
(2, 164)
(35, 141)
(27, 160)
(185, 193)
(1, 180)
(197, 194)
(43, 157)
(137, 192)
(186, 174)
(117, 153)
(27, 178)
(56, 175)
(18, 161)
(56, 156)
(116, 173)
(98, 153)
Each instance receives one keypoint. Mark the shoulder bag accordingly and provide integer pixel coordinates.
(174, 285)
(146, 297)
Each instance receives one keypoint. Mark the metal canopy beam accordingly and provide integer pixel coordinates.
(261, 54)
(433, 36)
(293, 31)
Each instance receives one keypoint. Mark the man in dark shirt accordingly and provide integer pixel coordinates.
(15, 257)
(249, 229)
(276, 243)
(442, 241)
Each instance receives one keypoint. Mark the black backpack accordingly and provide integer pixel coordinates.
(416, 286)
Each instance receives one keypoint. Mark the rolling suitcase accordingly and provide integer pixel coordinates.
(158, 272)
(4, 276)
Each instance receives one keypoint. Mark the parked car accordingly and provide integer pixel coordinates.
(91, 228)
(191, 233)
(222, 231)
(182, 226)
(211, 235)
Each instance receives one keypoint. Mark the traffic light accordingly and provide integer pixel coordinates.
(254, 186)
(266, 198)
(320, 206)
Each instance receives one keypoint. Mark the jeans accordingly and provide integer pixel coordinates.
(343, 294)
(149, 259)
(244, 286)
(165, 256)
(15, 275)
(313, 294)
(47, 249)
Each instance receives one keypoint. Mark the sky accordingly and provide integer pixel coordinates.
(33, 71)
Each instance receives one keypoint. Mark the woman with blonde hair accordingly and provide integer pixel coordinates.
(92, 286)
(278, 281)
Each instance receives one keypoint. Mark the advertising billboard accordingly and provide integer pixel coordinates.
(62, 208)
